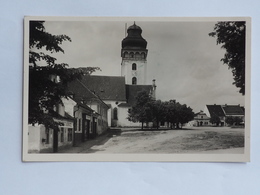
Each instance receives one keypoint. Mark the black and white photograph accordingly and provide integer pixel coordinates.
(136, 89)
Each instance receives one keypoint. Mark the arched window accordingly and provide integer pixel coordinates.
(132, 55)
(126, 54)
(143, 55)
(134, 80)
(137, 55)
(115, 113)
(134, 66)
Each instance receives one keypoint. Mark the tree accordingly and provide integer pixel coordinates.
(47, 83)
(176, 113)
(214, 119)
(158, 111)
(233, 120)
(185, 114)
(141, 111)
(171, 112)
(231, 35)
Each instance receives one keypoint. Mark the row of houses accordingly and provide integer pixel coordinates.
(82, 116)
(202, 118)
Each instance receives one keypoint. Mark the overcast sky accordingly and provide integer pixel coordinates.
(182, 58)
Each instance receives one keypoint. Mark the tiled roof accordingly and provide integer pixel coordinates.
(215, 110)
(106, 87)
(233, 110)
(81, 92)
(133, 90)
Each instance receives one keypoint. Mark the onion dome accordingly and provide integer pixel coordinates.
(134, 38)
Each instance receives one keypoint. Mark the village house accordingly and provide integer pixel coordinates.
(224, 111)
(90, 112)
(200, 119)
(42, 139)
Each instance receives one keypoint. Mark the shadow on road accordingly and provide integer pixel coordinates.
(85, 147)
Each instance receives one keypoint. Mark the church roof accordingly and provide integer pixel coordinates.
(106, 87)
(133, 90)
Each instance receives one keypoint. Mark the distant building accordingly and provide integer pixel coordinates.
(201, 119)
(224, 111)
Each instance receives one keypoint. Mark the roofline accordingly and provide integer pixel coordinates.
(92, 93)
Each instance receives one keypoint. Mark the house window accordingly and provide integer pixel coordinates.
(201, 117)
(115, 113)
(69, 134)
(131, 55)
(62, 135)
(134, 66)
(134, 81)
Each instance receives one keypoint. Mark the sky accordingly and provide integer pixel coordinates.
(182, 57)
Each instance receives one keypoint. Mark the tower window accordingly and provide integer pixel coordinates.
(131, 55)
(138, 55)
(134, 66)
(125, 54)
(143, 55)
(134, 80)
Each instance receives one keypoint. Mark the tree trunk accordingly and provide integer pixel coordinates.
(142, 125)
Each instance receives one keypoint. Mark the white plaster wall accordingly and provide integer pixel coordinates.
(69, 105)
(34, 138)
(122, 118)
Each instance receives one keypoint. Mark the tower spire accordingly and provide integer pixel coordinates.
(134, 55)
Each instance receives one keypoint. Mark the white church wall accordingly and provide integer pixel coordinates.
(122, 118)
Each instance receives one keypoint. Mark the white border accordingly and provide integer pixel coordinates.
(139, 157)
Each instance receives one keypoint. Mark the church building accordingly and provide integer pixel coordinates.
(119, 92)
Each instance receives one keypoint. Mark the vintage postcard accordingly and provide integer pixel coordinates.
(136, 89)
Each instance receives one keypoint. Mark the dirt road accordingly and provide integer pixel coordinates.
(187, 140)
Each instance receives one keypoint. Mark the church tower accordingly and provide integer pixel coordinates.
(134, 53)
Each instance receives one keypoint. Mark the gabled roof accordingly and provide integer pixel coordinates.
(106, 87)
(215, 110)
(199, 113)
(233, 110)
(133, 90)
(81, 92)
